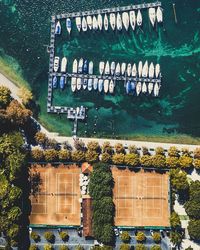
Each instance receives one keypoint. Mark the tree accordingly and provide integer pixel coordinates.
(35, 236)
(159, 151)
(52, 144)
(197, 153)
(49, 236)
(186, 152)
(63, 247)
(50, 155)
(107, 148)
(14, 213)
(146, 160)
(79, 145)
(124, 246)
(175, 220)
(118, 158)
(158, 161)
(194, 229)
(125, 236)
(91, 156)
(119, 148)
(64, 236)
(79, 247)
(189, 248)
(156, 237)
(78, 156)
(176, 238)
(37, 154)
(145, 151)
(5, 97)
(132, 159)
(13, 231)
(133, 149)
(94, 146)
(140, 237)
(173, 151)
(178, 180)
(106, 157)
(185, 161)
(196, 163)
(41, 139)
(33, 247)
(140, 247)
(25, 95)
(192, 208)
(156, 247)
(48, 247)
(64, 155)
(172, 162)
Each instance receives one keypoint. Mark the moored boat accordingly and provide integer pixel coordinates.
(138, 88)
(140, 69)
(105, 22)
(159, 15)
(100, 85)
(144, 88)
(63, 65)
(129, 69)
(119, 22)
(112, 68)
(54, 82)
(73, 84)
(125, 20)
(132, 19)
(58, 28)
(62, 82)
(90, 71)
(56, 63)
(101, 67)
(107, 68)
(90, 83)
(133, 87)
(112, 21)
(89, 22)
(151, 70)
(157, 70)
(68, 25)
(139, 18)
(118, 69)
(145, 69)
(80, 66)
(128, 87)
(84, 24)
(156, 89)
(123, 68)
(85, 83)
(94, 23)
(152, 15)
(134, 70)
(111, 87)
(106, 86)
(95, 83)
(78, 23)
(150, 87)
(79, 83)
(75, 66)
(100, 21)
(85, 67)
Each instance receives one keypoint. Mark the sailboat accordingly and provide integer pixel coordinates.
(157, 70)
(138, 88)
(159, 15)
(150, 87)
(100, 85)
(73, 84)
(119, 22)
(68, 25)
(111, 87)
(151, 70)
(134, 70)
(139, 18)
(106, 86)
(118, 69)
(101, 67)
(75, 66)
(63, 65)
(107, 68)
(105, 23)
(94, 23)
(112, 21)
(140, 69)
(95, 83)
(84, 24)
(129, 69)
(144, 88)
(80, 66)
(89, 22)
(78, 23)
(145, 69)
(125, 19)
(152, 15)
(112, 68)
(62, 82)
(79, 83)
(156, 89)
(100, 21)
(90, 71)
(58, 28)
(132, 19)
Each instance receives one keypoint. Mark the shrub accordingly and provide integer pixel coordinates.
(140, 237)
(78, 156)
(35, 236)
(175, 220)
(125, 236)
(37, 154)
(146, 161)
(64, 236)
(33, 247)
(156, 237)
(173, 151)
(64, 155)
(106, 157)
(63, 247)
(172, 162)
(118, 158)
(91, 156)
(49, 236)
(140, 247)
(124, 247)
(158, 161)
(50, 155)
(156, 247)
(185, 161)
(48, 247)
(132, 159)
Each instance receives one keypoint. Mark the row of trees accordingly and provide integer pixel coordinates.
(49, 236)
(140, 237)
(50, 247)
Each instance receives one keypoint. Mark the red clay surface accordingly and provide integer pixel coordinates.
(57, 202)
(141, 199)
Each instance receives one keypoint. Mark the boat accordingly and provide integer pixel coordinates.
(90, 71)
(112, 68)
(84, 24)
(85, 83)
(95, 84)
(152, 15)
(94, 23)
(129, 69)
(107, 68)
(125, 20)
(80, 66)
(58, 28)
(78, 23)
(123, 68)
(89, 22)
(100, 21)
(140, 69)
(156, 89)
(56, 63)
(90, 83)
(134, 70)
(73, 84)
(159, 15)
(101, 67)
(106, 86)
(112, 21)
(63, 65)
(138, 88)
(79, 83)
(62, 82)
(139, 18)
(68, 25)
(133, 87)
(85, 67)
(157, 70)
(100, 85)
(111, 87)
(128, 87)
(118, 70)
(150, 87)
(132, 19)
(54, 82)
(144, 88)
(119, 22)
(151, 70)
(105, 22)
(145, 69)
(75, 66)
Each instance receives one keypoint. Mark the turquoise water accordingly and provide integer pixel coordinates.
(25, 30)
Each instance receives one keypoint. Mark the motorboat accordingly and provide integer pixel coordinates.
(54, 82)
(159, 15)
(69, 25)
(144, 88)
(90, 71)
(79, 83)
(62, 82)
(157, 70)
(58, 28)
(132, 19)
(129, 69)
(123, 68)
(125, 20)
(101, 67)
(78, 23)
(63, 65)
(134, 70)
(118, 69)
(119, 22)
(89, 22)
(138, 88)
(111, 87)
(133, 87)
(105, 22)
(75, 66)
(106, 86)
(128, 87)
(90, 83)
(85, 83)
(145, 69)
(156, 89)
(150, 87)
(94, 23)
(151, 70)
(73, 84)
(100, 21)
(84, 24)
(85, 67)
(112, 68)
(56, 63)
(152, 15)
(140, 69)
(107, 68)
(139, 18)
(80, 66)
(100, 85)
(112, 21)
(95, 84)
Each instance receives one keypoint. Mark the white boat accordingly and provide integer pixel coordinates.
(63, 65)
(84, 24)
(106, 85)
(145, 69)
(100, 85)
(68, 25)
(138, 88)
(123, 68)
(101, 67)
(144, 88)
(118, 70)
(56, 63)
(119, 22)
(107, 68)
(132, 19)
(112, 68)
(95, 83)
(129, 69)
(90, 70)
(89, 22)
(152, 15)
(85, 83)
(94, 23)
(100, 21)
(73, 84)
(105, 22)
(140, 69)
(150, 87)
(80, 66)
(125, 19)
(78, 23)
(90, 83)
(151, 70)
(58, 28)
(157, 70)
(156, 89)
(159, 15)
(112, 21)
(79, 83)
(75, 66)
(139, 18)
(111, 87)
(134, 70)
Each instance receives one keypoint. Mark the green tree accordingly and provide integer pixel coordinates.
(106, 157)
(125, 237)
(14, 213)
(189, 248)
(196, 163)
(146, 161)
(192, 208)
(118, 158)
(50, 155)
(37, 154)
(35, 236)
(94, 146)
(5, 97)
(158, 161)
(25, 95)
(48, 247)
(140, 247)
(173, 151)
(33, 247)
(78, 156)
(107, 148)
(140, 237)
(175, 220)
(194, 229)
(156, 247)
(124, 246)
(79, 247)
(13, 231)
(133, 149)
(185, 161)
(186, 152)
(172, 162)
(132, 159)
(64, 155)
(63, 247)
(197, 153)
(119, 148)
(64, 236)
(41, 139)
(91, 156)
(79, 145)
(176, 238)
(49, 236)
(145, 151)
(156, 237)
(159, 151)
(178, 180)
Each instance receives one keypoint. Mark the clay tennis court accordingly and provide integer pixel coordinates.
(141, 199)
(57, 202)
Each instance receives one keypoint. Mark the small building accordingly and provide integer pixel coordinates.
(87, 216)
(86, 168)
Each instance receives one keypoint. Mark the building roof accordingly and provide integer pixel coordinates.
(87, 217)
(86, 168)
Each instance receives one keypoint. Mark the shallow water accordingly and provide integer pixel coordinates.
(25, 30)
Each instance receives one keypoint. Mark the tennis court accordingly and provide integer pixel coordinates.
(57, 201)
(141, 199)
